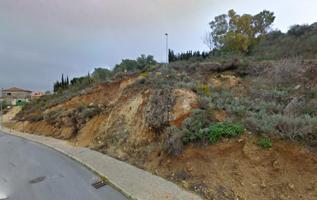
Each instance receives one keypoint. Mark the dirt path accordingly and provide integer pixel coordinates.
(11, 114)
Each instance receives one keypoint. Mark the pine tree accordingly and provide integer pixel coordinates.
(88, 76)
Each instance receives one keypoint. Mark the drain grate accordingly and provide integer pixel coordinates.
(99, 184)
(37, 180)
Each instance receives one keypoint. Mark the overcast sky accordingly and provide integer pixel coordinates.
(41, 39)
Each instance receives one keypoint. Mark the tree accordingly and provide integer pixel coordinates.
(145, 61)
(101, 74)
(61, 85)
(233, 32)
(262, 22)
(219, 29)
(141, 63)
(171, 56)
(63, 82)
(298, 30)
(237, 42)
(126, 65)
(208, 41)
(186, 55)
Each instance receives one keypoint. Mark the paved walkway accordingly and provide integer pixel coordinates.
(133, 182)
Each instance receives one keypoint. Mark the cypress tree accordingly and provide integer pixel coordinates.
(63, 82)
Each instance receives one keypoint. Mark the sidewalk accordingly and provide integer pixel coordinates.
(135, 183)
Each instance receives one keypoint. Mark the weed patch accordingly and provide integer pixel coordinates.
(265, 143)
(223, 130)
(214, 132)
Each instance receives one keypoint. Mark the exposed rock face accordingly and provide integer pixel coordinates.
(186, 100)
(129, 121)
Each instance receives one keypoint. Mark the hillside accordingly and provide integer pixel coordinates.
(299, 41)
(231, 130)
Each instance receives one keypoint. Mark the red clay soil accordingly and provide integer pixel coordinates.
(240, 169)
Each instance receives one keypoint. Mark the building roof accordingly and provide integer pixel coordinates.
(15, 89)
(38, 94)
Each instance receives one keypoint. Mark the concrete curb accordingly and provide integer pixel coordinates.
(135, 183)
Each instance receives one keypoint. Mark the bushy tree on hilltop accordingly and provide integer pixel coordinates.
(141, 63)
(238, 33)
(101, 74)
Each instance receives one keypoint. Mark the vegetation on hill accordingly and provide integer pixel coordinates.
(181, 122)
(235, 33)
(300, 41)
(252, 37)
(277, 87)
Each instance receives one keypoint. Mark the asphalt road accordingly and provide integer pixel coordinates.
(30, 171)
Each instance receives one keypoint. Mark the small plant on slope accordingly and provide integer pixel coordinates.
(266, 143)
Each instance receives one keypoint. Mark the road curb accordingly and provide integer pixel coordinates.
(133, 182)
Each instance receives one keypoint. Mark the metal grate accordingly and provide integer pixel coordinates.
(99, 184)
(37, 180)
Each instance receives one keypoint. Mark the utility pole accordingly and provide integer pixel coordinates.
(167, 60)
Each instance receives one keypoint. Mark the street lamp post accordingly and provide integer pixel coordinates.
(167, 60)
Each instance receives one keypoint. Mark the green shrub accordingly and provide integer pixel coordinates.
(224, 129)
(158, 109)
(194, 125)
(214, 132)
(173, 144)
(231, 102)
(265, 143)
(295, 128)
(261, 122)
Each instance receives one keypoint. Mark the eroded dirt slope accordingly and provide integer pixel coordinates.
(240, 169)
(231, 169)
